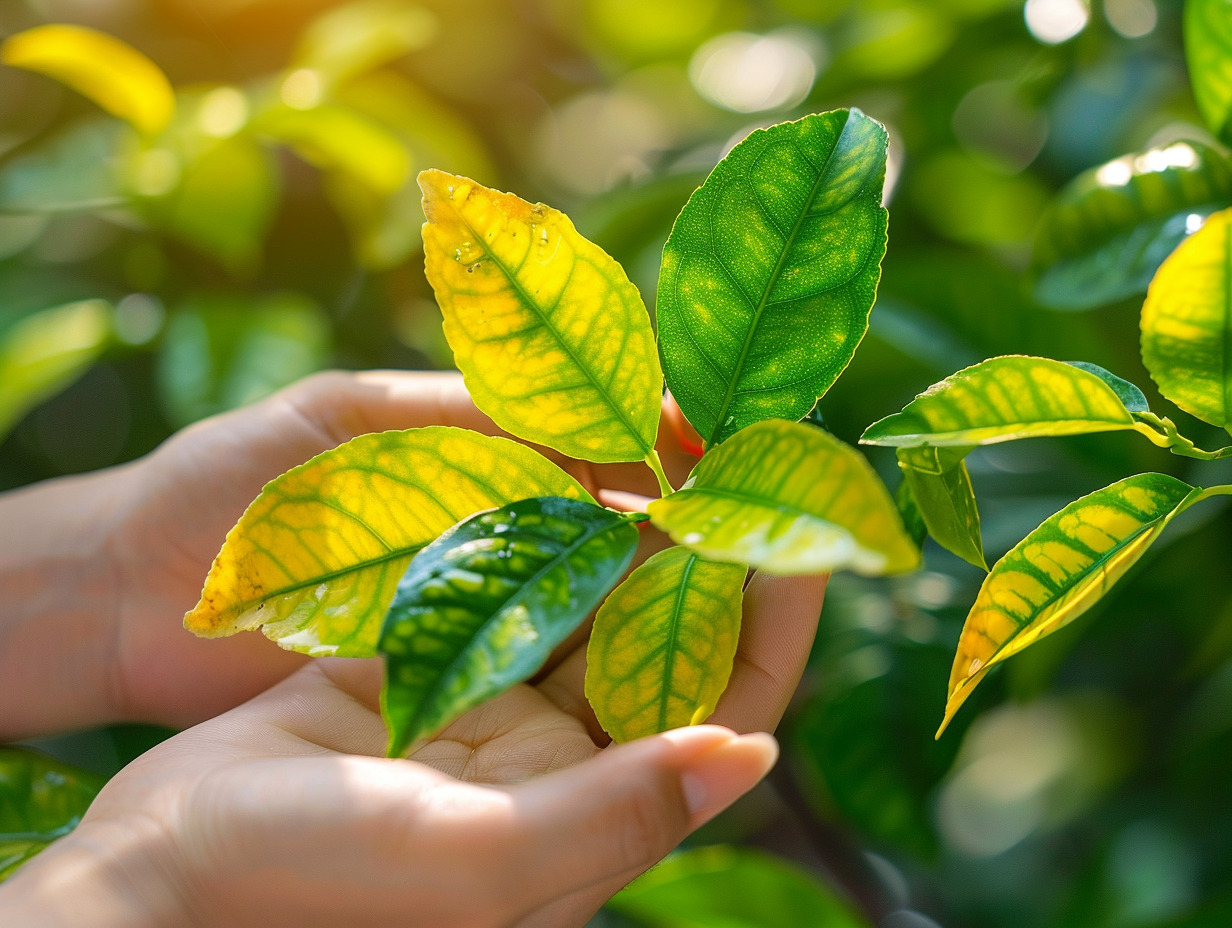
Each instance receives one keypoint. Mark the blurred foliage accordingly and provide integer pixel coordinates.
(272, 228)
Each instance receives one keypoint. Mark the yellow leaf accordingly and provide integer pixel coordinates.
(114, 75)
(337, 139)
(552, 338)
(315, 560)
(663, 642)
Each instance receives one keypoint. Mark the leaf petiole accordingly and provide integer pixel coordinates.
(1163, 432)
(656, 465)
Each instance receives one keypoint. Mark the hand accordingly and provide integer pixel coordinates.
(266, 815)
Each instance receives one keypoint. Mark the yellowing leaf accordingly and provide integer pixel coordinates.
(1059, 571)
(337, 139)
(663, 643)
(788, 498)
(356, 37)
(552, 338)
(315, 560)
(114, 75)
(1187, 323)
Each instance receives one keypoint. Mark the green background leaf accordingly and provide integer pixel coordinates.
(482, 607)
(1208, 52)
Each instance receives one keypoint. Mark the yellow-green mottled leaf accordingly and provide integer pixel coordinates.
(552, 338)
(1059, 571)
(940, 487)
(482, 607)
(1187, 324)
(114, 75)
(1208, 52)
(1004, 399)
(663, 643)
(41, 800)
(315, 560)
(788, 498)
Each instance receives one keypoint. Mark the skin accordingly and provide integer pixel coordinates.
(278, 807)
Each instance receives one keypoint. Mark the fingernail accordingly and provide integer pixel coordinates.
(717, 777)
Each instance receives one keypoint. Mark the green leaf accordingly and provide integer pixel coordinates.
(1208, 52)
(45, 352)
(1131, 397)
(663, 643)
(771, 270)
(941, 489)
(482, 607)
(909, 511)
(221, 352)
(40, 800)
(1003, 399)
(1112, 226)
(1187, 324)
(554, 342)
(77, 171)
(730, 887)
(315, 560)
(788, 498)
(1059, 571)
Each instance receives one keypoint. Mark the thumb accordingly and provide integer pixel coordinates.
(626, 808)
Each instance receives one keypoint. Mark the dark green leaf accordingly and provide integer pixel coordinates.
(481, 607)
(1130, 396)
(771, 270)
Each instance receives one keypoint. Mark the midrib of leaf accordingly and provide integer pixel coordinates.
(556, 334)
(769, 288)
(673, 630)
(392, 555)
(762, 501)
(1226, 365)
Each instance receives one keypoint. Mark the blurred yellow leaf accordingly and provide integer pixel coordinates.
(338, 139)
(113, 74)
(357, 37)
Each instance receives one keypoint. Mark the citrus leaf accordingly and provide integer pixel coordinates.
(663, 643)
(79, 170)
(788, 498)
(1059, 571)
(114, 75)
(1112, 226)
(45, 352)
(1003, 399)
(482, 607)
(553, 340)
(1130, 395)
(341, 141)
(315, 560)
(40, 800)
(1208, 52)
(358, 37)
(1187, 324)
(941, 488)
(771, 270)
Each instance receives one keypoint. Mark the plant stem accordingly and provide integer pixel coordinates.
(1163, 432)
(656, 465)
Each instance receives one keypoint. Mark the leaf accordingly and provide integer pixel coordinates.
(663, 643)
(554, 342)
(788, 498)
(114, 75)
(40, 800)
(337, 139)
(730, 887)
(771, 270)
(220, 352)
(941, 488)
(45, 352)
(482, 607)
(359, 37)
(1059, 571)
(315, 560)
(1112, 226)
(1187, 324)
(78, 171)
(1208, 52)
(1131, 397)
(1004, 399)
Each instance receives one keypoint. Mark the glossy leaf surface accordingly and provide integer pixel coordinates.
(482, 607)
(771, 270)
(1208, 52)
(315, 560)
(729, 887)
(114, 75)
(1003, 399)
(663, 643)
(552, 338)
(1059, 571)
(40, 800)
(1187, 324)
(941, 488)
(1112, 226)
(788, 498)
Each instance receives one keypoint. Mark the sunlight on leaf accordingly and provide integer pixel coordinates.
(663, 643)
(338, 139)
(358, 37)
(1059, 571)
(771, 270)
(1208, 52)
(941, 489)
(114, 75)
(554, 342)
(315, 560)
(788, 498)
(482, 607)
